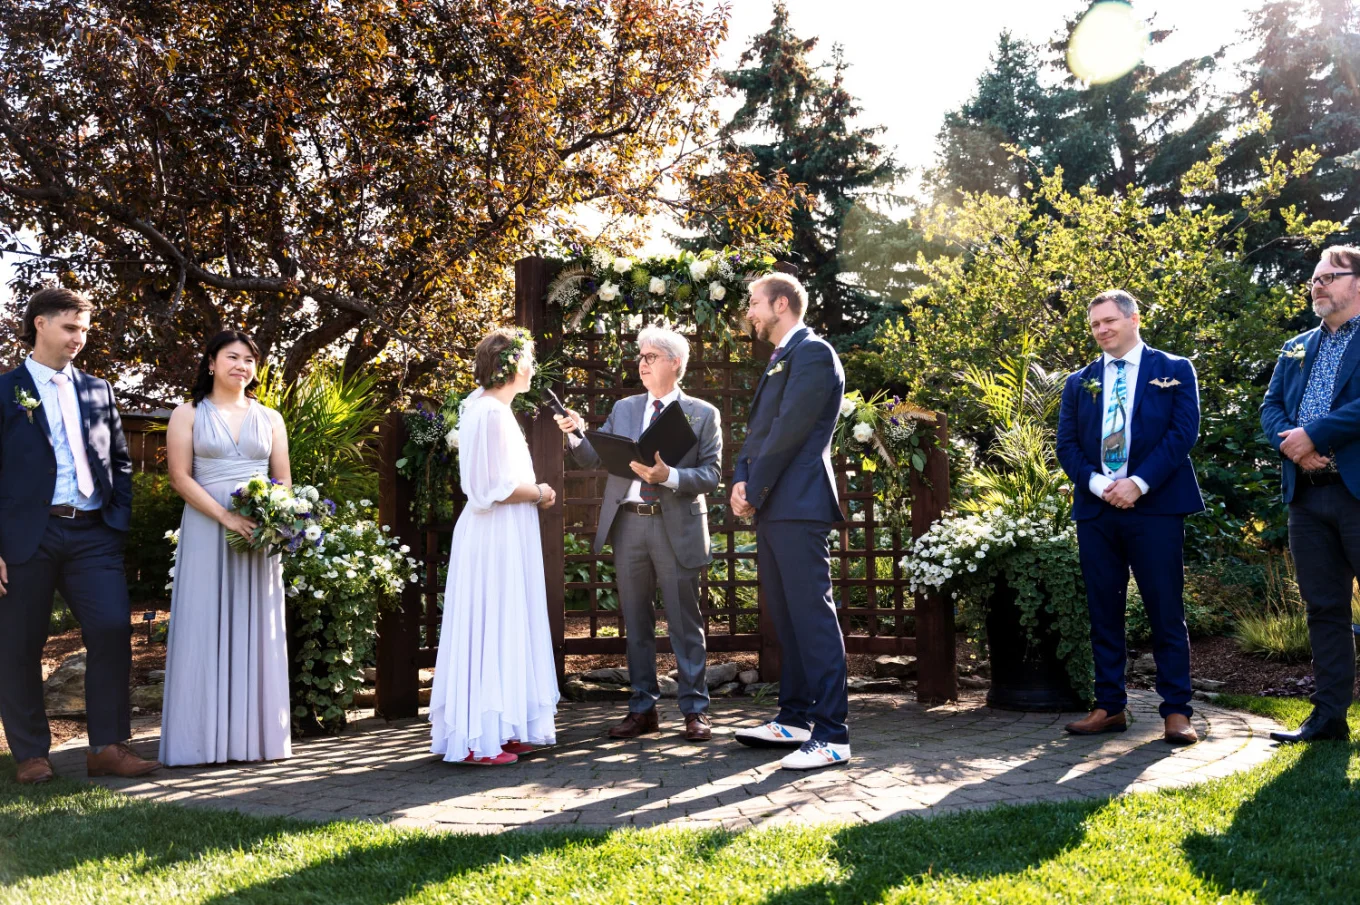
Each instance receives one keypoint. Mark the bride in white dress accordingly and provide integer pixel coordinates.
(495, 683)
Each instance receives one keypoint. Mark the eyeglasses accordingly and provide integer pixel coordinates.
(648, 358)
(1326, 279)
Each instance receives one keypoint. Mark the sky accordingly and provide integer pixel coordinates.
(912, 61)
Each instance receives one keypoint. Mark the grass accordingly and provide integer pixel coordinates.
(1285, 832)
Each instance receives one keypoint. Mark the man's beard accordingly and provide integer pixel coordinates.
(760, 330)
(1325, 306)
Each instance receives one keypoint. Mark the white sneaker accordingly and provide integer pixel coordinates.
(816, 754)
(773, 735)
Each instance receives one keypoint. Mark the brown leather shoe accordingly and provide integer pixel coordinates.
(697, 727)
(635, 724)
(34, 770)
(118, 760)
(1098, 721)
(1179, 731)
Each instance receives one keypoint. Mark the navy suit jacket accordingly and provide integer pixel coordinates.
(786, 459)
(1336, 434)
(1164, 426)
(28, 466)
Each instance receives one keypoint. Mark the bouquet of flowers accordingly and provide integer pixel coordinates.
(286, 519)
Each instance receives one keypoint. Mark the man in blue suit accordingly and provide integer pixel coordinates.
(65, 504)
(784, 479)
(1311, 414)
(1125, 430)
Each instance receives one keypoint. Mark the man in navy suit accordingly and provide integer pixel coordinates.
(65, 504)
(1125, 430)
(1311, 415)
(784, 479)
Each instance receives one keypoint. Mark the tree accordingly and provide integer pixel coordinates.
(356, 175)
(795, 121)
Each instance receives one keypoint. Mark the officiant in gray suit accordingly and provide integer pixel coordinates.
(658, 526)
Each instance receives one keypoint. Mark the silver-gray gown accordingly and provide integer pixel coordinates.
(226, 671)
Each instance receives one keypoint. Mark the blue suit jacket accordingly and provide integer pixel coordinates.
(786, 459)
(1164, 425)
(1336, 434)
(28, 467)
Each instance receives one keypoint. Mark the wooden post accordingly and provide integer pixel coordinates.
(398, 693)
(937, 678)
(545, 445)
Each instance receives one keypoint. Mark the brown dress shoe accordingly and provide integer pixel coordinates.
(34, 770)
(1179, 731)
(118, 760)
(635, 724)
(697, 727)
(1098, 721)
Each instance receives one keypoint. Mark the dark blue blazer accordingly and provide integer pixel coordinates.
(786, 459)
(28, 467)
(1336, 434)
(1165, 427)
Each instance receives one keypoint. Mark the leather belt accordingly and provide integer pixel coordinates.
(1321, 478)
(72, 512)
(642, 508)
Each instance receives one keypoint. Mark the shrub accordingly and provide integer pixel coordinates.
(579, 598)
(156, 509)
(1279, 630)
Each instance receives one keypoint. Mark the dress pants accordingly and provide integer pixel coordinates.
(1324, 538)
(83, 559)
(644, 561)
(795, 574)
(1111, 544)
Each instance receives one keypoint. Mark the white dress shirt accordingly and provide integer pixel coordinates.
(672, 481)
(1100, 480)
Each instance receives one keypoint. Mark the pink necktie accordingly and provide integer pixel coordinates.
(70, 419)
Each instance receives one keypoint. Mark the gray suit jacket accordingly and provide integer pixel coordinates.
(684, 510)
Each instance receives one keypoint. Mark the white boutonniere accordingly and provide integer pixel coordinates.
(1298, 352)
(26, 402)
(775, 370)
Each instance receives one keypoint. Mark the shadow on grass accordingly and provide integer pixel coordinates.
(66, 827)
(1295, 840)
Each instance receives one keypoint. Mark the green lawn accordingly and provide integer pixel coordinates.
(1288, 831)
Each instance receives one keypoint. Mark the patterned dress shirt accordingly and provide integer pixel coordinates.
(66, 493)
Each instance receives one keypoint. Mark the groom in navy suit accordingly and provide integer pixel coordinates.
(1127, 424)
(65, 505)
(784, 479)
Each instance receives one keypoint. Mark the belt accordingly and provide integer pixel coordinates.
(72, 512)
(1320, 478)
(642, 508)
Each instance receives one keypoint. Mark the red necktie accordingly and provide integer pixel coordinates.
(648, 491)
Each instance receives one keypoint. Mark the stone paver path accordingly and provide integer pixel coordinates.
(908, 759)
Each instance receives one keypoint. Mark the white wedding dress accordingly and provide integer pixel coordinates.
(494, 678)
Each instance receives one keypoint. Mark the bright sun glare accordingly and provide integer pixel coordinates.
(1108, 42)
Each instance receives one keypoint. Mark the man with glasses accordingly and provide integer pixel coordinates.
(658, 526)
(1311, 414)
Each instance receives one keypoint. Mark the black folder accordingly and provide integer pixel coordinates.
(669, 433)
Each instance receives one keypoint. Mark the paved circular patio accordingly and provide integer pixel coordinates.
(909, 759)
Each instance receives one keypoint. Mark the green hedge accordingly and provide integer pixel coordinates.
(156, 509)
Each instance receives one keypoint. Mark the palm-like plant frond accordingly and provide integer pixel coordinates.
(1019, 388)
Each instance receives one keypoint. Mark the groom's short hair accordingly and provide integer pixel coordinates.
(47, 302)
(786, 285)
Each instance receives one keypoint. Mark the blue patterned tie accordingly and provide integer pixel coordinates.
(1114, 447)
(650, 495)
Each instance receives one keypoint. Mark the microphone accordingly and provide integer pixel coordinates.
(551, 401)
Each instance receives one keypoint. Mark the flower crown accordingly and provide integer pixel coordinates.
(509, 359)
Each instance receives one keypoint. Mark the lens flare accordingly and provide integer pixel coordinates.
(1107, 43)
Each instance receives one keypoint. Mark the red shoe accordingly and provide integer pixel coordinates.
(518, 748)
(500, 760)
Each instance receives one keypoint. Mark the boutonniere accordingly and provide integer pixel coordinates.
(1298, 352)
(1165, 383)
(1094, 387)
(775, 370)
(26, 402)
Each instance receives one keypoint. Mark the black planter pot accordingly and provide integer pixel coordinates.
(1025, 676)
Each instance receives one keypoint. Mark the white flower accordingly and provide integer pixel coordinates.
(405, 549)
(350, 573)
(301, 505)
(312, 532)
(858, 517)
(623, 265)
(451, 438)
(319, 595)
(608, 291)
(863, 432)
(698, 269)
(717, 291)
(657, 286)
(972, 567)
(847, 406)
(365, 503)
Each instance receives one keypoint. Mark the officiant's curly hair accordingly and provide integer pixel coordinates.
(203, 383)
(489, 368)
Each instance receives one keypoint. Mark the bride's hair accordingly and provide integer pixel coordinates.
(498, 356)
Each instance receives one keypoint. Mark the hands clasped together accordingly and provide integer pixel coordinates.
(1299, 448)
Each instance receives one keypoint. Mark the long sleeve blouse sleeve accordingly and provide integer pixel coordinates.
(486, 435)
